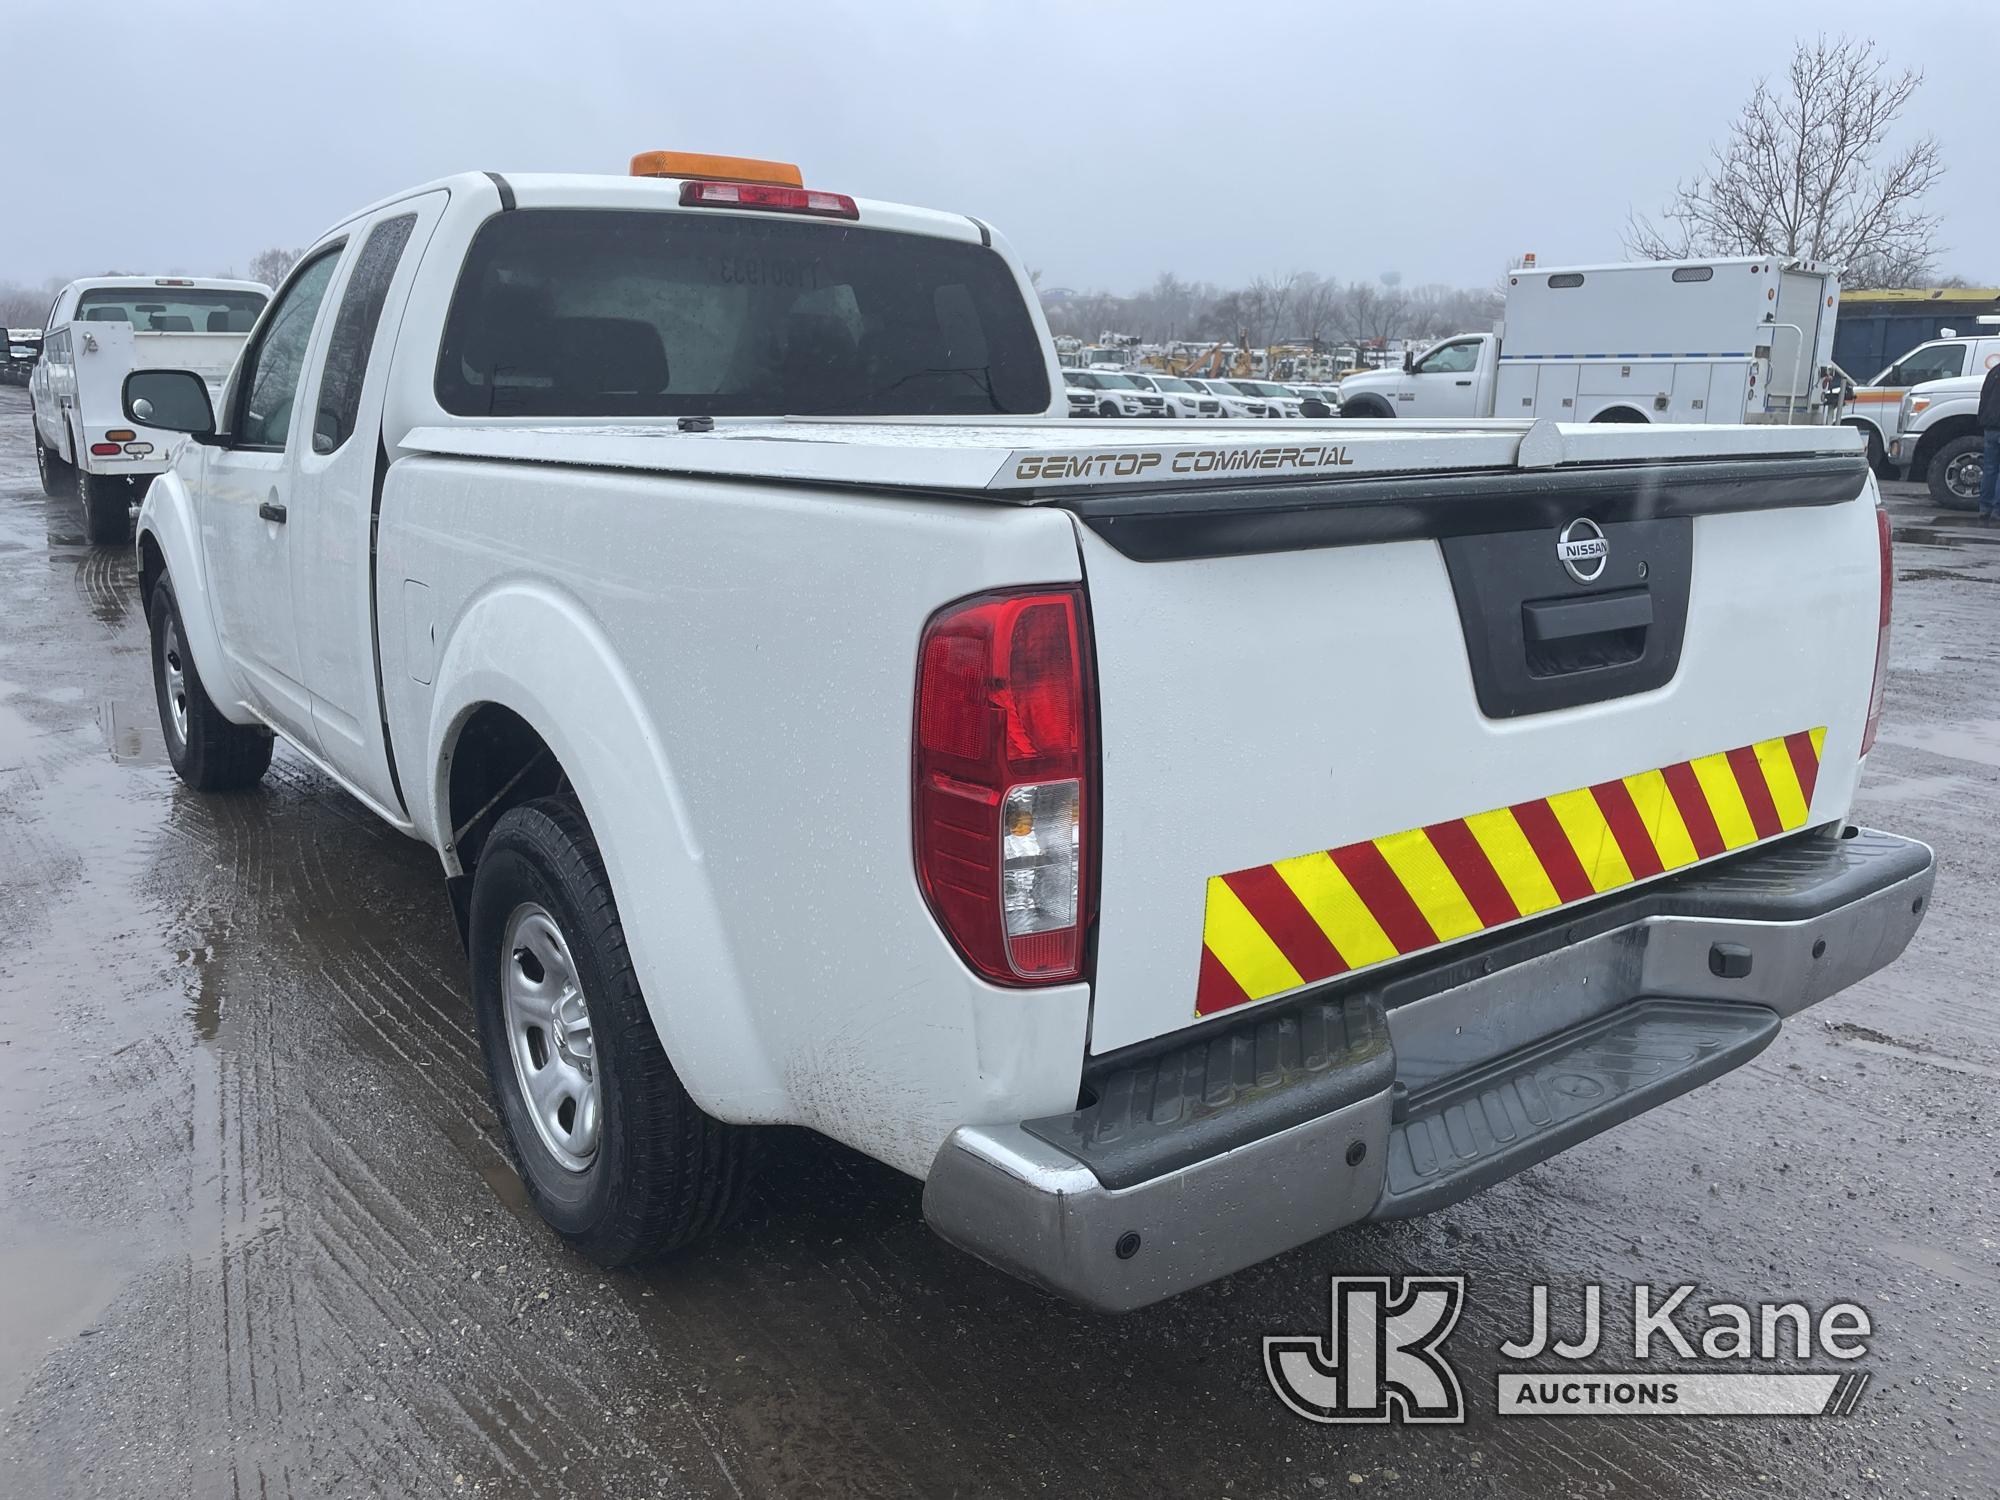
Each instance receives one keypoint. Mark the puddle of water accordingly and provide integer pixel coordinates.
(1939, 1262)
(1886, 786)
(50, 1291)
(1912, 1054)
(132, 731)
(1947, 533)
(1976, 740)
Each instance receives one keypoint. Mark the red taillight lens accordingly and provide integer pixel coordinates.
(768, 196)
(1003, 782)
(105, 450)
(1875, 689)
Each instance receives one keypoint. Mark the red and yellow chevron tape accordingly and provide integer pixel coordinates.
(1276, 927)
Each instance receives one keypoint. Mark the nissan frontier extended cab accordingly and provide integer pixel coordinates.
(1170, 842)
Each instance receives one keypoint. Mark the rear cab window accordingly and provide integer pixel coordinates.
(564, 312)
(157, 309)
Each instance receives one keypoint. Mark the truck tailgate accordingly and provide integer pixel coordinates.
(1345, 722)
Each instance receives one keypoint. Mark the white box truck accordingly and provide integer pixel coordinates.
(99, 331)
(1733, 340)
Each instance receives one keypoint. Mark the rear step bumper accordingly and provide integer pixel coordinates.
(1234, 1143)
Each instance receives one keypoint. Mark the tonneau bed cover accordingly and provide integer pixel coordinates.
(1038, 460)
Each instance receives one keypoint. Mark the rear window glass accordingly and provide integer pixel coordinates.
(593, 312)
(177, 309)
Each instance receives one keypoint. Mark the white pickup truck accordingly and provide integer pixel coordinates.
(1939, 439)
(99, 331)
(1170, 847)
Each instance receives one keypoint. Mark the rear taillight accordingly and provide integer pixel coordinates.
(769, 197)
(1003, 797)
(1882, 631)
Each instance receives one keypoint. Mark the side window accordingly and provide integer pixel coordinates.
(1929, 364)
(353, 335)
(1452, 359)
(271, 372)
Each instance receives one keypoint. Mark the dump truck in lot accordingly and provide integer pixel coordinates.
(1170, 844)
(99, 331)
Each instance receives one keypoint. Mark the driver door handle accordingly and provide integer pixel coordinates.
(1462, 382)
(270, 510)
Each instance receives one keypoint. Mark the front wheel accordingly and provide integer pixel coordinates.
(107, 508)
(1954, 473)
(1106, 409)
(616, 1156)
(208, 752)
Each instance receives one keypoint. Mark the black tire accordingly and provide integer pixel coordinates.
(1948, 463)
(1371, 407)
(107, 508)
(58, 477)
(662, 1174)
(208, 752)
(1106, 409)
(1878, 455)
(1621, 415)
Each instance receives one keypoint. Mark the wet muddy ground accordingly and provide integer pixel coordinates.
(257, 1237)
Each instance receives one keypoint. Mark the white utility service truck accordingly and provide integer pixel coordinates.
(1878, 407)
(1733, 340)
(100, 330)
(1169, 841)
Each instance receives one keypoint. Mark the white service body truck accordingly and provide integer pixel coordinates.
(99, 331)
(1730, 340)
(1878, 408)
(1170, 843)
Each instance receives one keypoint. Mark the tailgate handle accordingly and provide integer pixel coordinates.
(1595, 614)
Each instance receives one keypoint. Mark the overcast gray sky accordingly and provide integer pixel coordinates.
(1108, 139)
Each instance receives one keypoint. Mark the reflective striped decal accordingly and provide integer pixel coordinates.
(1277, 927)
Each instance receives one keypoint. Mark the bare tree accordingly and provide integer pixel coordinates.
(269, 266)
(1807, 173)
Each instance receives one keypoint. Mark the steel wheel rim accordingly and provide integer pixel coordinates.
(173, 673)
(1961, 476)
(549, 1036)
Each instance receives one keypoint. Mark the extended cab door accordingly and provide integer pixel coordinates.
(245, 500)
(335, 487)
(1443, 382)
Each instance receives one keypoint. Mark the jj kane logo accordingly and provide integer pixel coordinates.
(1382, 1358)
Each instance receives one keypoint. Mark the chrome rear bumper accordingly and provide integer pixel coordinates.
(1232, 1144)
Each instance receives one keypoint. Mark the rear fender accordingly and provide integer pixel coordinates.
(535, 649)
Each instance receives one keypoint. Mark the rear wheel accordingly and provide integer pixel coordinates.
(208, 752)
(58, 476)
(615, 1155)
(107, 508)
(1954, 473)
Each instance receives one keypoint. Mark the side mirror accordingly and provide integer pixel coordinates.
(172, 400)
(1409, 360)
